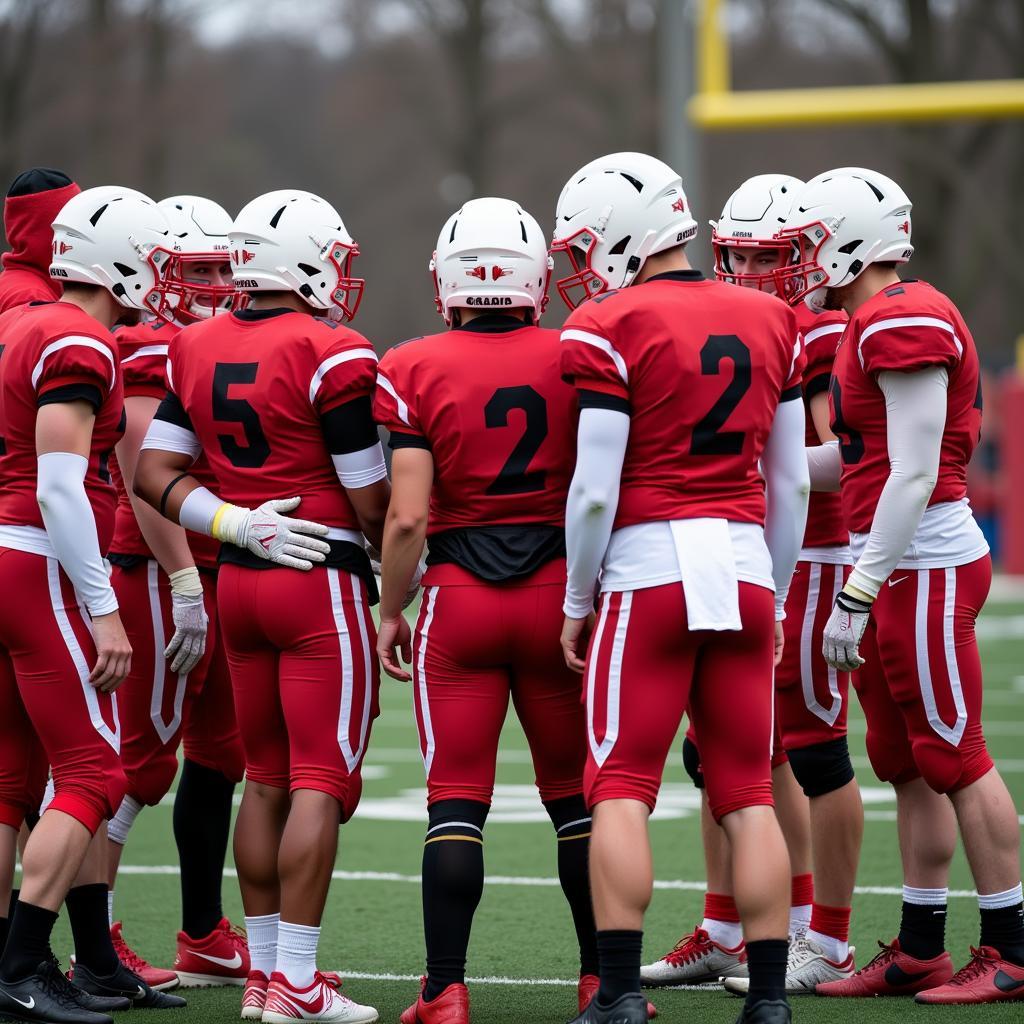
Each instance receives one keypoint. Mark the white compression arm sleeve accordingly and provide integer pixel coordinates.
(788, 486)
(825, 465)
(71, 527)
(593, 499)
(915, 410)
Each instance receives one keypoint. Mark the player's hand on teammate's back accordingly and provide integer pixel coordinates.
(188, 644)
(113, 653)
(575, 636)
(291, 542)
(392, 634)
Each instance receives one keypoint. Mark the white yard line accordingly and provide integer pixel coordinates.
(500, 980)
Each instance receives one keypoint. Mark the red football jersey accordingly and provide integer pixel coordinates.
(905, 327)
(143, 351)
(495, 414)
(48, 349)
(254, 386)
(820, 334)
(703, 366)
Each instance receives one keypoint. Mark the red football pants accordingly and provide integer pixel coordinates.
(302, 652)
(158, 707)
(477, 644)
(645, 668)
(921, 684)
(810, 696)
(49, 713)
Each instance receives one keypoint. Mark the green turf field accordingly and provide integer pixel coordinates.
(523, 949)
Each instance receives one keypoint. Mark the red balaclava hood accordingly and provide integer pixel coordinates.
(33, 201)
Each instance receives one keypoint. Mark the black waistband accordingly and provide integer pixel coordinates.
(498, 553)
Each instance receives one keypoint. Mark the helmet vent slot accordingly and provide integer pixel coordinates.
(874, 188)
(851, 247)
(635, 182)
(99, 213)
(619, 247)
(522, 231)
(123, 269)
(277, 217)
(308, 270)
(455, 224)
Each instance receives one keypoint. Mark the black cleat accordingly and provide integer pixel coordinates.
(46, 995)
(628, 1009)
(766, 1011)
(126, 984)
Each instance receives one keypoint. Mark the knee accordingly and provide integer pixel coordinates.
(891, 761)
(224, 756)
(569, 816)
(822, 768)
(691, 762)
(151, 782)
(946, 768)
(90, 798)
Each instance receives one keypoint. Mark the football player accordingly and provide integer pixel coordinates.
(481, 426)
(35, 197)
(811, 695)
(685, 386)
(164, 597)
(906, 406)
(62, 413)
(279, 399)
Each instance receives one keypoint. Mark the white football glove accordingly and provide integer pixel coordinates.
(844, 632)
(188, 644)
(414, 584)
(270, 535)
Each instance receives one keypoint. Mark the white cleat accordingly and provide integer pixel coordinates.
(807, 966)
(320, 1001)
(696, 960)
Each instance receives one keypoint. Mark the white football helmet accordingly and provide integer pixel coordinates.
(842, 221)
(750, 219)
(200, 226)
(290, 240)
(491, 253)
(118, 239)
(614, 213)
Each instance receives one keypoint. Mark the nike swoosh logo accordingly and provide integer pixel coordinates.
(140, 993)
(896, 976)
(1005, 983)
(21, 1002)
(232, 964)
(892, 583)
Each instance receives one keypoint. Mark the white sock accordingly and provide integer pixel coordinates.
(262, 935)
(110, 908)
(725, 933)
(925, 897)
(799, 919)
(999, 900)
(837, 950)
(296, 953)
(120, 824)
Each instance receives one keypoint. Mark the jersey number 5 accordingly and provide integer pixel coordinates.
(256, 450)
(708, 437)
(514, 477)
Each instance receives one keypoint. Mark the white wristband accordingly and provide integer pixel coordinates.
(198, 509)
(186, 582)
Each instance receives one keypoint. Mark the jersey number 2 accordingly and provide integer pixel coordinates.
(256, 450)
(708, 437)
(514, 478)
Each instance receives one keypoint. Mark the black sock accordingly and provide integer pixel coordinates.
(202, 824)
(1003, 929)
(453, 882)
(87, 912)
(619, 954)
(5, 920)
(923, 930)
(571, 819)
(766, 962)
(15, 893)
(28, 941)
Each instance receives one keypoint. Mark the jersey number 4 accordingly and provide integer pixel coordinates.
(256, 450)
(515, 476)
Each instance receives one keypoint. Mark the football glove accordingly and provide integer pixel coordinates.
(845, 630)
(188, 644)
(270, 535)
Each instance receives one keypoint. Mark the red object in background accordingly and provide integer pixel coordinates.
(1011, 507)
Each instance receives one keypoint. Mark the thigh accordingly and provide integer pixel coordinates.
(253, 665)
(637, 684)
(731, 701)
(22, 762)
(460, 691)
(548, 696)
(928, 647)
(811, 696)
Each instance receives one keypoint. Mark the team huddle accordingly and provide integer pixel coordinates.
(724, 499)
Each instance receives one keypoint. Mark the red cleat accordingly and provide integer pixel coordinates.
(590, 983)
(154, 977)
(254, 998)
(891, 973)
(220, 958)
(986, 978)
(450, 1007)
